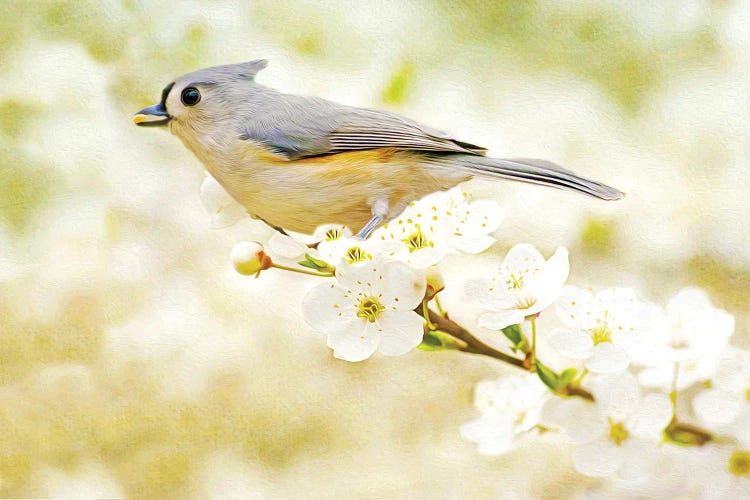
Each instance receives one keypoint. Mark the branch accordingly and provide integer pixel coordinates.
(473, 344)
(476, 346)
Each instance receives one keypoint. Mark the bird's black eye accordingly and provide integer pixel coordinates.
(190, 96)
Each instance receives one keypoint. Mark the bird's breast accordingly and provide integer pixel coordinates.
(340, 188)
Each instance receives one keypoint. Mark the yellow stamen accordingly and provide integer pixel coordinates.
(333, 234)
(617, 432)
(417, 241)
(139, 118)
(739, 463)
(602, 334)
(356, 254)
(369, 308)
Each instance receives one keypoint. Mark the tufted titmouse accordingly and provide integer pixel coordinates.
(298, 162)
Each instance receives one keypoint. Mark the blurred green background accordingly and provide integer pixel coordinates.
(134, 362)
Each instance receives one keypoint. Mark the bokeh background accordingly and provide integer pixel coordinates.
(134, 362)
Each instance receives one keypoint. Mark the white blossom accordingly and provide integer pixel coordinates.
(414, 237)
(509, 407)
(466, 223)
(437, 224)
(691, 332)
(524, 285)
(221, 207)
(726, 472)
(336, 244)
(618, 433)
(601, 329)
(725, 407)
(368, 308)
(282, 248)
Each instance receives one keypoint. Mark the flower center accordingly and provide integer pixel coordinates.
(356, 254)
(333, 234)
(417, 241)
(617, 432)
(515, 282)
(747, 395)
(602, 334)
(525, 302)
(369, 308)
(739, 463)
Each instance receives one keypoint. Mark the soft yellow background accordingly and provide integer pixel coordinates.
(134, 362)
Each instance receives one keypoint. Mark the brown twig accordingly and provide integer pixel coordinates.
(475, 346)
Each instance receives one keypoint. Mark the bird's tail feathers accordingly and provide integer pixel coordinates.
(534, 171)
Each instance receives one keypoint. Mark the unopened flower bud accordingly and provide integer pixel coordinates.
(248, 258)
(435, 283)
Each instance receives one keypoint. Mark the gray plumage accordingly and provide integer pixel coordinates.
(250, 136)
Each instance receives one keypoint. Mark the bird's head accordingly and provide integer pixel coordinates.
(208, 95)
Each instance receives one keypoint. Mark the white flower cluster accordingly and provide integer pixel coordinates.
(639, 355)
(628, 360)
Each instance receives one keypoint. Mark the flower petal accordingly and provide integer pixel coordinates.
(523, 259)
(326, 306)
(354, 340)
(620, 308)
(616, 395)
(576, 308)
(573, 343)
(356, 277)
(500, 319)
(489, 295)
(400, 332)
(579, 419)
(547, 284)
(607, 357)
(653, 415)
(471, 244)
(597, 459)
(402, 286)
(287, 247)
(741, 428)
(639, 457)
(717, 407)
(222, 208)
(494, 435)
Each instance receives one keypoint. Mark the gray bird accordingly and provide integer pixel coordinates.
(297, 162)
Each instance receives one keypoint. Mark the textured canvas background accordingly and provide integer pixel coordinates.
(134, 362)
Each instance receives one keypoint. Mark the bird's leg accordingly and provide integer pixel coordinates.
(380, 210)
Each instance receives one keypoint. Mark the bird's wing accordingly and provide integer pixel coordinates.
(299, 127)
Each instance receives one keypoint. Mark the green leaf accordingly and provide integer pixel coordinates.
(430, 342)
(547, 375)
(513, 333)
(307, 263)
(686, 435)
(566, 377)
(320, 263)
(438, 341)
(313, 263)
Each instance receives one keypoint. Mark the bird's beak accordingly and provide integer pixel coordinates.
(152, 116)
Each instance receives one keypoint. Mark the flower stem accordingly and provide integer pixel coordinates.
(580, 378)
(426, 315)
(439, 306)
(302, 271)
